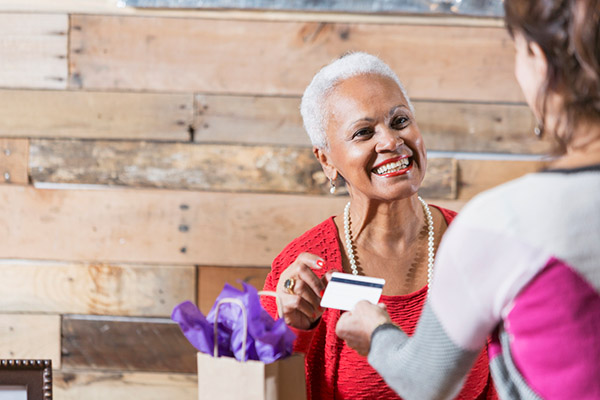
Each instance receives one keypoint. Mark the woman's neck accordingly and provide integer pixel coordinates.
(584, 149)
(395, 223)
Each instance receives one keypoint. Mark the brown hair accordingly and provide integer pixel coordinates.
(568, 32)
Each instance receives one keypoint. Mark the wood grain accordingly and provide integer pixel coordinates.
(33, 50)
(154, 226)
(91, 115)
(91, 288)
(30, 336)
(479, 127)
(109, 52)
(201, 167)
(178, 166)
(249, 119)
(14, 158)
(125, 344)
(212, 279)
(181, 227)
(96, 385)
(477, 176)
(441, 179)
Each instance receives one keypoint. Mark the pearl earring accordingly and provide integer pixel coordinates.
(332, 189)
(539, 130)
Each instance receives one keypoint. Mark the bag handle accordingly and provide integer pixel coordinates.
(277, 300)
(245, 316)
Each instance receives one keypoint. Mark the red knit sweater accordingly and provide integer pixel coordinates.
(335, 371)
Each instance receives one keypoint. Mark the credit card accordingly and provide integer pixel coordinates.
(345, 290)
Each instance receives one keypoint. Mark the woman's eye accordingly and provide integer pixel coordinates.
(361, 133)
(400, 122)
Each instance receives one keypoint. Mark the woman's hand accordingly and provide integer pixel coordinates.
(302, 296)
(357, 326)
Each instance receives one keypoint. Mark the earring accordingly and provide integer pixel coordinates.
(332, 189)
(539, 130)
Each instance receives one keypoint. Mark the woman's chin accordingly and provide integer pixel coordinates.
(392, 192)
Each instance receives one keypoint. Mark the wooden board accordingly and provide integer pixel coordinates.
(245, 57)
(441, 179)
(154, 226)
(30, 337)
(178, 166)
(90, 288)
(477, 176)
(177, 227)
(249, 119)
(212, 279)
(95, 385)
(33, 50)
(14, 155)
(201, 167)
(479, 127)
(126, 344)
(89, 115)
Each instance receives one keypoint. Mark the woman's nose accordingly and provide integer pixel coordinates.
(388, 140)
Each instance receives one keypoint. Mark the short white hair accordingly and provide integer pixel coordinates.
(312, 106)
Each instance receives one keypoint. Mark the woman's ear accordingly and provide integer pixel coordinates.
(540, 62)
(330, 171)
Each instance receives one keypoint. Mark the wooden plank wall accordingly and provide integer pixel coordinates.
(148, 157)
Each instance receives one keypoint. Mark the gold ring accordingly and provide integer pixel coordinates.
(288, 285)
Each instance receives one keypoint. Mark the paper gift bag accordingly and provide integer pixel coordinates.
(226, 378)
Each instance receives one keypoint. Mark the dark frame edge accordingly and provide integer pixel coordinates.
(43, 367)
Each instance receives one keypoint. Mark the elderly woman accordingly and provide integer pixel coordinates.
(362, 127)
(522, 260)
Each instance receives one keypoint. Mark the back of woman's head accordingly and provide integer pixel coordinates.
(568, 32)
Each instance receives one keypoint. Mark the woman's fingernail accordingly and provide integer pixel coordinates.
(320, 263)
(322, 292)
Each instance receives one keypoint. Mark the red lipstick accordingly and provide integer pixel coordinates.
(391, 160)
(399, 172)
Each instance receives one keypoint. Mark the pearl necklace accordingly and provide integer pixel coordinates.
(430, 240)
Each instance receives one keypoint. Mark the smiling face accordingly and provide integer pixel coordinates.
(374, 141)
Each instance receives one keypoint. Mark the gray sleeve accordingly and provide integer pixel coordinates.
(427, 365)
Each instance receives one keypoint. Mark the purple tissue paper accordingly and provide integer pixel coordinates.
(268, 340)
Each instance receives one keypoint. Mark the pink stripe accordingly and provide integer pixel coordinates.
(555, 330)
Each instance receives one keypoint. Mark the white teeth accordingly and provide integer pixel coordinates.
(392, 167)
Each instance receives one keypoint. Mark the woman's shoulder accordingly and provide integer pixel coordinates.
(498, 208)
(315, 237)
(448, 215)
(321, 240)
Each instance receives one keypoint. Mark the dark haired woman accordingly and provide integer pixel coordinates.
(522, 261)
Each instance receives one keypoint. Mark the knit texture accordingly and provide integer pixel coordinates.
(335, 371)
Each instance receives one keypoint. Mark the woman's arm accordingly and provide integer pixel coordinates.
(478, 272)
(426, 366)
